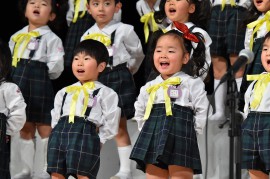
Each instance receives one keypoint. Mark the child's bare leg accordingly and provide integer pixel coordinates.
(178, 172)
(154, 172)
(57, 176)
(256, 174)
(82, 177)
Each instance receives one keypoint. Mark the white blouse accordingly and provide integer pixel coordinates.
(262, 31)
(193, 96)
(264, 105)
(13, 106)
(105, 113)
(50, 50)
(127, 45)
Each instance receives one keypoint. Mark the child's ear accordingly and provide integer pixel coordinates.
(88, 7)
(186, 58)
(52, 16)
(191, 8)
(118, 6)
(101, 67)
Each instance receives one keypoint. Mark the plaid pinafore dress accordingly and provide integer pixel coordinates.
(168, 140)
(74, 148)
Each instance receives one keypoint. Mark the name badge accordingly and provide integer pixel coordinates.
(92, 101)
(174, 92)
(33, 44)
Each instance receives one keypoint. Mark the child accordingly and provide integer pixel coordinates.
(172, 109)
(85, 115)
(255, 128)
(226, 28)
(126, 55)
(194, 15)
(12, 109)
(37, 58)
(227, 33)
(257, 27)
(78, 21)
(146, 9)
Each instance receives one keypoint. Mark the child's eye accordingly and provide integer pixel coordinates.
(171, 51)
(107, 3)
(264, 49)
(95, 4)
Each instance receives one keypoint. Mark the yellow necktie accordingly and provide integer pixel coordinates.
(19, 39)
(76, 10)
(224, 3)
(257, 24)
(76, 91)
(99, 37)
(148, 19)
(259, 88)
(152, 91)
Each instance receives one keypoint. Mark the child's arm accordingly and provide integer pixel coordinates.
(55, 53)
(16, 105)
(200, 103)
(140, 106)
(55, 112)
(110, 115)
(134, 47)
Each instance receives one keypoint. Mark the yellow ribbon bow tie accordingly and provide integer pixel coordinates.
(148, 19)
(76, 10)
(19, 39)
(99, 37)
(259, 88)
(77, 90)
(224, 2)
(257, 24)
(152, 91)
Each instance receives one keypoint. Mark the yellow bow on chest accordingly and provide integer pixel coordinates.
(76, 90)
(257, 25)
(259, 88)
(148, 19)
(232, 2)
(76, 9)
(99, 37)
(152, 91)
(23, 38)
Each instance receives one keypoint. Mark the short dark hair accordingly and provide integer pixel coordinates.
(93, 48)
(5, 61)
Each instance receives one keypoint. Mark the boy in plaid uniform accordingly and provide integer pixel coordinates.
(256, 125)
(85, 116)
(172, 109)
(38, 57)
(126, 55)
(12, 109)
(78, 21)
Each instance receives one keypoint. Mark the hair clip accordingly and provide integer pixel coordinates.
(186, 34)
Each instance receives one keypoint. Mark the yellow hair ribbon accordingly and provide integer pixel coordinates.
(259, 88)
(99, 37)
(152, 91)
(76, 10)
(76, 90)
(148, 19)
(257, 24)
(224, 2)
(19, 39)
